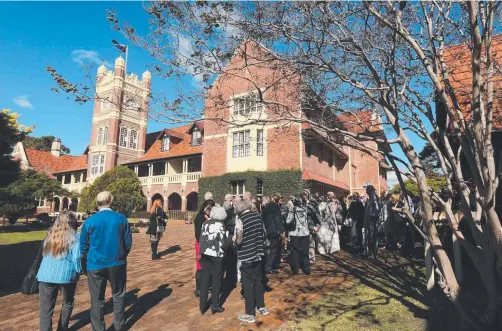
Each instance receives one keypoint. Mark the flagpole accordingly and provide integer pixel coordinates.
(125, 66)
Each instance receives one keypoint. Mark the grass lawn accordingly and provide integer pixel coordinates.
(388, 294)
(8, 238)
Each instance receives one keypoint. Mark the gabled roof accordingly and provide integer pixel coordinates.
(198, 125)
(45, 162)
(182, 147)
(458, 63)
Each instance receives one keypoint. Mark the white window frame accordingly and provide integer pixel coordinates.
(259, 142)
(241, 143)
(246, 105)
(259, 187)
(97, 164)
(133, 139)
(196, 141)
(238, 184)
(105, 136)
(100, 136)
(123, 138)
(165, 143)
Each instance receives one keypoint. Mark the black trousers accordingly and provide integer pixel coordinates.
(230, 267)
(299, 257)
(273, 253)
(251, 274)
(97, 279)
(211, 267)
(48, 293)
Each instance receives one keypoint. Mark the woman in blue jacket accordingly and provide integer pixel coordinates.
(59, 269)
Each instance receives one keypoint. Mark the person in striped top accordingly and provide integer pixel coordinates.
(251, 252)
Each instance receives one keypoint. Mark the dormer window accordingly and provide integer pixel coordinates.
(196, 137)
(165, 143)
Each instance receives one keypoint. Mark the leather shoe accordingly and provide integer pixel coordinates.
(217, 310)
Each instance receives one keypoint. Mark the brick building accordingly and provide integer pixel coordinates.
(170, 162)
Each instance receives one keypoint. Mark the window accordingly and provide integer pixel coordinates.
(77, 177)
(195, 164)
(105, 136)
(259, 142)
(123, 137)
(259, 187)
(159, 168)
(237, 187)
(67, 179)
(196, 138)
(97, 165)
(330, 159)
(240, 144)
(165, 143)
(133, 139)
(60, 178)
(246, 105)
(308, 149)
(100, 136)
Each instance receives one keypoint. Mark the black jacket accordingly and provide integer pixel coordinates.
(198, 221)
(230, 221)
(272, 219)
(159, 216)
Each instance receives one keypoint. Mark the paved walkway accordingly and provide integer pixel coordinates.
(160, 293)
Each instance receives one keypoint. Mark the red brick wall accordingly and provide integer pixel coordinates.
(314, 163)
(367, 169)
(283, 148)
(214, 159)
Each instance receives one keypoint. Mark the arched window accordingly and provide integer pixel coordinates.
(123, 137)
(105, 136)
(133, 139)
(100, 136)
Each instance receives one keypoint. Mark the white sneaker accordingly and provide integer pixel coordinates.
(246, 318)
(264, 311)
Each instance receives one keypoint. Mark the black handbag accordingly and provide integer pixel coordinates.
(30, 281)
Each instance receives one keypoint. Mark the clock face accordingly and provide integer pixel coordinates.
(131, 105)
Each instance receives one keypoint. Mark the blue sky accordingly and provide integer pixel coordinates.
(35, 35)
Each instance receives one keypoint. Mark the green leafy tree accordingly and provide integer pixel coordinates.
(125, 187)
(435, 182)
(43, 143)
(11, 132)
(20, 198)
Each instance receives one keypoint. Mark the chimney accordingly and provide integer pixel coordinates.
(56, 147)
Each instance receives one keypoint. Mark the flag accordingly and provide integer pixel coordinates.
(121, 47)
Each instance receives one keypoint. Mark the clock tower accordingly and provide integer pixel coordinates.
(119, 119)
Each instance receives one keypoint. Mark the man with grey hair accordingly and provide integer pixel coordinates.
(105, 242)
(208, 196)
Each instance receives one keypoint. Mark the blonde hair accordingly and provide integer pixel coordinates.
(61, 236)
(155, 205)
(395, 198)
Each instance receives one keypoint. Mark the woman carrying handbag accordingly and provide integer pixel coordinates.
(59, 270)
(157, 226)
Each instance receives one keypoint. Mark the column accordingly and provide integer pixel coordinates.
(185, 166)
(53, 206)
(150, 169)
(148, 204)
(61, 204)
(136, 169)
(166, 171)
(166, 203)
(183, 203)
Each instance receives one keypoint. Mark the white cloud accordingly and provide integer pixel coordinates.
(22, 101)
(83, 56)
(186, 50)
(391, 178)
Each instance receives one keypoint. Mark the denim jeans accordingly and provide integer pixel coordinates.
(48, 293)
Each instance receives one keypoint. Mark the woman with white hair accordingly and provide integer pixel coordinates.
(328, 238)
(212, 242)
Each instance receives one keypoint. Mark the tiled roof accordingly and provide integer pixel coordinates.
(360, 122)
(45, 162)
(458, 63)
(181, 147)
(198, 125)
(79, 163)
(308, 175)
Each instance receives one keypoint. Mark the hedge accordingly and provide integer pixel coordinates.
(284, 182)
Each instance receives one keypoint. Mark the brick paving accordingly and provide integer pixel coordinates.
(160, 293)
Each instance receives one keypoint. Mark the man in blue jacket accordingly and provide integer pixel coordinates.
(105, 242)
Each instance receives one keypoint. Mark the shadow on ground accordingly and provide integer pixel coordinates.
(136, 307)
(369, 299)
(15, 261)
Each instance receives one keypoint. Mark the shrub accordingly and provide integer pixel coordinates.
(284, 182)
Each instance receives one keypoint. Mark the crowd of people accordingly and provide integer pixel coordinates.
(241, 241)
